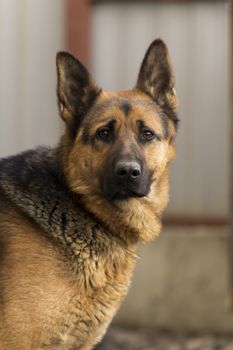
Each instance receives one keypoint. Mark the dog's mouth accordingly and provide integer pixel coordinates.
(125, 194)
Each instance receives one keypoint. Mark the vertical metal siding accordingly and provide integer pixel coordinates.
(31, 32)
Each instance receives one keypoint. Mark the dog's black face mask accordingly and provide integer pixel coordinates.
(125, 177)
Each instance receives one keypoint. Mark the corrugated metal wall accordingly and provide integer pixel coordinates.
(31, 32)
(197, 35)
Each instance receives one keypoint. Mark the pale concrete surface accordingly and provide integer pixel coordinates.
(148, 339)
(181, 282)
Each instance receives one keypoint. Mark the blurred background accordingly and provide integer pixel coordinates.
(184, 280)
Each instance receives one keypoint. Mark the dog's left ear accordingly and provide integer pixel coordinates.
(76, 90)
(156, 76)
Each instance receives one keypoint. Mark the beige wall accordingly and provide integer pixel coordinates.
(181, 282)
(31, 32)
(198, 39)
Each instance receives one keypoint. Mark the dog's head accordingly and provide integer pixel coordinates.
(117, 146)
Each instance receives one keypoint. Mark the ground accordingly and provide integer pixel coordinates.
(147, 339)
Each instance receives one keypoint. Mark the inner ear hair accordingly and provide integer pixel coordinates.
(64, 113)
(172, 99)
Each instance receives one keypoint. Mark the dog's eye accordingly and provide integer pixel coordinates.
(148, 135)
(104, 134)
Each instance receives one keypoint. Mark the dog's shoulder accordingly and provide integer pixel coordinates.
(31, 168)
(33, 182)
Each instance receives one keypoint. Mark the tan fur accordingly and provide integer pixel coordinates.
(42, 296)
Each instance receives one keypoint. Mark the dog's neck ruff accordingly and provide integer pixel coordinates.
(33, 181)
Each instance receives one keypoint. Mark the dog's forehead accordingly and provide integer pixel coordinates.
(126, 104)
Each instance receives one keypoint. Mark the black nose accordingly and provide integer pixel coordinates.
(128, 170)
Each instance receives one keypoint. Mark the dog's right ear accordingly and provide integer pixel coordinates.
(76, 90)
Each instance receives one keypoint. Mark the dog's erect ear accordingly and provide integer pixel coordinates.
(75, 89)
(156, 77)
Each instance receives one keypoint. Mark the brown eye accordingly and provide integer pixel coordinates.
(148, 135)
(104, 134)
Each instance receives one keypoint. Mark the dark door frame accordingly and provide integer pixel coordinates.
(77, 29)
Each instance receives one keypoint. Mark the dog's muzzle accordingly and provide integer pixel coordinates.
(126, 179)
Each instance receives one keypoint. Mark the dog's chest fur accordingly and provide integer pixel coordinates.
(95, 292)
(94, 266)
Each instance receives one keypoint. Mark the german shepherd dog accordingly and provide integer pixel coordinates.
(71, 217)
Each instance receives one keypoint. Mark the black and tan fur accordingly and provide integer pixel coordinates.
(71, 217)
